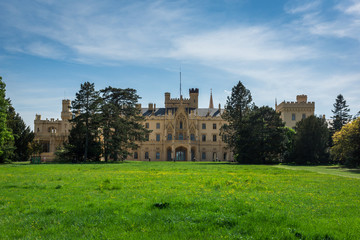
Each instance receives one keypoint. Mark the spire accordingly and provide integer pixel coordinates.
(180, 81)
(211, 104)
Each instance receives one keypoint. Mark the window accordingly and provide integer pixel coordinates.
(293, 117)
(169, 137)
(135, 155)
(203, 155)
(157, 155)
(38, 129)
(158, 137)
(303, 116)
(214, 126)
(181, 125)
(203, 137)
(214, 138)
(181, 136)
(147, 125)
(147, 137)
(157, 125)
(192, 137)
(203, 126)
(225, 156)
(146, 155)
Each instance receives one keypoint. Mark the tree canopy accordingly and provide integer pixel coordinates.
(346, 149)
(311, 141)
(341, 113)
(6, 136)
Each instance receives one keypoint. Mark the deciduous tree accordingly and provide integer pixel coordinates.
(6, 136)
(311, 141)
(346, 149)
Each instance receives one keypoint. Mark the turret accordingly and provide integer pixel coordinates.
(194, 95)
(66, 113)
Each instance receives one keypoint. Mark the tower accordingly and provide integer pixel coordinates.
(194, 95)
(66, 113)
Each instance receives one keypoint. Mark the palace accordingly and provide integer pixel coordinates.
(180, 131)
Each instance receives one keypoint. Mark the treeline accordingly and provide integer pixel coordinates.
(16, 139)
(107, 124)
(257, 135)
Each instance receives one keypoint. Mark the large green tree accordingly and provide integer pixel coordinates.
(23, 136)
(311, 141)
(6, 136)
(266, 140)
(85, 132)
(341, 113)
(121, 122)
(346, 149)
(236, 133)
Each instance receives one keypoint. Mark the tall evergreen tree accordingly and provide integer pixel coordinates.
(23, 136)
(85, 124)
(6, 136)
(121, 122)
(341, 113)
(236, 132)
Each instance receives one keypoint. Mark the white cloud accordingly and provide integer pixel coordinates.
(294, 7)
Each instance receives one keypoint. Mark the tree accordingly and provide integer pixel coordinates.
(341, 113)
(6, 136)
(311, 141)
(346, 149)
(121, 122)
(84, 134)
(23, 136)
(236, 133)
(266, 139)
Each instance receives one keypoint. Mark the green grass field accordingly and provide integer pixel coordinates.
(166, 200)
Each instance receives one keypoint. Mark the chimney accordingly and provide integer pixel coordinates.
(151, 107)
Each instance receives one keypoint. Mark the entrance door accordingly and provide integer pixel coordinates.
(169, 154)
(180, 154)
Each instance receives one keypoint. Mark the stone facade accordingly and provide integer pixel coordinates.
(182, 131)
(53, 133)
(293, 112)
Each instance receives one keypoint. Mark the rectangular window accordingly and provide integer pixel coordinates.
(147, 137)
(293, 117)
(203, 155)
(157, 155)
(169, 137)
(214, 126)
(181, 136)
(158, 137)
(192, 137)
(214, 138)
(157, 125)
(303, 116)
(146, 155)
(135, 155)
(147, 125)
(204, 126)
(203, 137)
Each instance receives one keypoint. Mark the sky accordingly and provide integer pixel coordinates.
(277, 49)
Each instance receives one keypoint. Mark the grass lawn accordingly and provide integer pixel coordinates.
(166, 200)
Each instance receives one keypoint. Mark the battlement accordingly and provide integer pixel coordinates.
(193, 90)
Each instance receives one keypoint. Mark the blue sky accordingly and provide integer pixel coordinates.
(278, 49)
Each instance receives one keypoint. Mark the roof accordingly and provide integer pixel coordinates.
(202, 112)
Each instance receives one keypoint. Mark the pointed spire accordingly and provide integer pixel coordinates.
(211, 104)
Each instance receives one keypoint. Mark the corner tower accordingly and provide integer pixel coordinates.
(194, 95)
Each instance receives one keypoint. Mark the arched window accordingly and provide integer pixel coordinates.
(181, 125)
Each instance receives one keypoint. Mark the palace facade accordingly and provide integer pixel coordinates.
(179, 131)
(182, 131)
